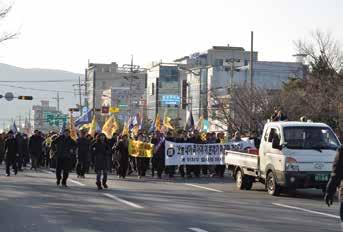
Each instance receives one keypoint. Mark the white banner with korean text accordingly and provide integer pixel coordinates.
(200, 154)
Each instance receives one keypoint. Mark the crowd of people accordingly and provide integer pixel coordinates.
(102, 155)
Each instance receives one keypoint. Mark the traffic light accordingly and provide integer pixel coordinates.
(28, 98)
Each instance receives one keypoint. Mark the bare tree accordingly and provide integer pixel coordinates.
(4, 11)
(234, 111)
(318, 95)
(323, 46)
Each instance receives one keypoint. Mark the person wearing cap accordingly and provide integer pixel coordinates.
(11, 153)
(64, 148)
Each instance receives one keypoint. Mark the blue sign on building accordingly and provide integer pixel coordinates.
(170, 100)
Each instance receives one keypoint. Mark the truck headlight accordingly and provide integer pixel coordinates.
(292, 164)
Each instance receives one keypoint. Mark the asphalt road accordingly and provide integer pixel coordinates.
(31, 201)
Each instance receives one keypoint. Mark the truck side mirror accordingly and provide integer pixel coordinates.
(276, 143)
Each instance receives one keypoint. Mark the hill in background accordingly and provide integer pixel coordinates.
(40, 90)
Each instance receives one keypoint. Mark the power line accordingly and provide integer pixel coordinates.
(38, 81)
(35, 89)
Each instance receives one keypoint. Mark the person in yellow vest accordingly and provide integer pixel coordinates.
(141, 161)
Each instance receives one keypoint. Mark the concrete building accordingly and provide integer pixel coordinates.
(167, 93)
(109, 76)
(46, 118)
(119, 97)
(215, 72)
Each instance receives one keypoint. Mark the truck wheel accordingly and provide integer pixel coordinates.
(271, 185)
(240, 184)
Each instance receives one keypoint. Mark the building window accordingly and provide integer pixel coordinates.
(218, 62)
(152, 89)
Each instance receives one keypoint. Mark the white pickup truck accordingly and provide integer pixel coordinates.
(291, 155)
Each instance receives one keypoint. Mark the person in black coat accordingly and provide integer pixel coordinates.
(158, 160)
(20, 151)
(123, 156)
(195, 138)
(83, 149)
(35, 148)
(11, 150)
(2, 147)
(25, 149)
(64, 149)
(100, 152)
(336, 181)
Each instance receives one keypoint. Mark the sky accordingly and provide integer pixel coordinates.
(65, 34)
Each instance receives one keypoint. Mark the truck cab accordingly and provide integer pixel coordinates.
(296, 155)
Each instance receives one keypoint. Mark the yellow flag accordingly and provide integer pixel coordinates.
(157, 123)
(73, 132)
(85, 126)
(92, 128)
(107, 128)
(114, 126)
(125, 129)
(166, 122)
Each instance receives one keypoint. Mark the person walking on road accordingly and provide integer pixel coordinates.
(35, 148)
(2, 147)
(123, 156)
(100, 152)
(158, 160)
(64, 147)
(335, 182)
(11, 153)
(83, 150)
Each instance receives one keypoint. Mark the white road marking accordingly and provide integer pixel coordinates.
(47, 172)
(197, 229)
(202, 187)
(76, 182)
(307, 210)
(123, 201)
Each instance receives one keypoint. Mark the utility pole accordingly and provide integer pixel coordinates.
(94, 108)
(30, 128)
(58, 98)
(130, 94)
(157, 100)
(86, 89)
(251, 69)
(79, 92)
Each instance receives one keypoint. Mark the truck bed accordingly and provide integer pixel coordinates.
(241, 159)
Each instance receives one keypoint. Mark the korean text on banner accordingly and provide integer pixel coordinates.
(140, 149)
(200, 154)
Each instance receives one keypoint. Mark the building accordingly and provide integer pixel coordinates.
(119, 97)
(103, 77)
(214, 73)
(164, 92)
(47, 118)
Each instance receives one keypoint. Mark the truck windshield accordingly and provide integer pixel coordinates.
(317, 138)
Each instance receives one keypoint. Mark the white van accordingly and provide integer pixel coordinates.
(291, 155)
